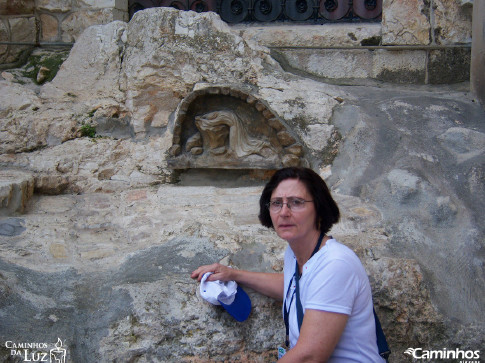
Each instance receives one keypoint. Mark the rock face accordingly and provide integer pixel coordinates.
(100, 254)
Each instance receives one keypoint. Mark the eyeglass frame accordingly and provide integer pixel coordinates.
(289, 200)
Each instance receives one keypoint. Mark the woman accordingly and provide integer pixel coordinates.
(335, 322)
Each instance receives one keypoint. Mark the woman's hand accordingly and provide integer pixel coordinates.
(219, 272)
(269, 284)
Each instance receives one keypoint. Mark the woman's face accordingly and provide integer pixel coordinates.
(292, 225)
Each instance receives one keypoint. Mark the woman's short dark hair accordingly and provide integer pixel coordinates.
(326, 209)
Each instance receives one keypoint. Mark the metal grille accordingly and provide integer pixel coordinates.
(239, 11)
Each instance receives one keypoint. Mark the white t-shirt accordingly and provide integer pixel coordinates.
(334, 280)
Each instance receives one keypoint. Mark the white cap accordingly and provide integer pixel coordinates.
(226, 293)
(218, 291)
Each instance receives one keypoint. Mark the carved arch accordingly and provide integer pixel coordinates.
(230, 128)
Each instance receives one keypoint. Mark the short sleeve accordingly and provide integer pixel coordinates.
(334, 288)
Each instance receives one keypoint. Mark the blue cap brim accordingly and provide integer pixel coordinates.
(240, 307)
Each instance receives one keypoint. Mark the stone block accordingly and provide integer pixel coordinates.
(401, 66)
(16, 7)
(15, 29)
(450, 65)
(332, 63)
(119, 14)
(54, 5)
(342, 34)
(49, 27)
(4, 37)
(100, 4)
(22, 29)
(74, 24)
(452, 22)
(405, 22)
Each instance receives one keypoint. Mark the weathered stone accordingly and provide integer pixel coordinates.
(16, 29)
(16, 7)
(119, 4)
(74, 24)
(15, 97)
(406, 22)
(95, 72)
(50, 27)
(285, 138)
(22, 29)
(16, 188)
(336, 64)
(343, 34)
(54, 5)
(317, 137)
(42, 75)
(51, 184)
(275, 124)
(400, 66)
(27, 126)
(295, 150)
(452, 22)
(444, 65)
(290, 160)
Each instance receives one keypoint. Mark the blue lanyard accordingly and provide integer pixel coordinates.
(299, 308)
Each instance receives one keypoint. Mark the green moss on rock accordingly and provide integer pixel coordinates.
(50, 60)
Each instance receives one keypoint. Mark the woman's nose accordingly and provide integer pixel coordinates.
(285, 210)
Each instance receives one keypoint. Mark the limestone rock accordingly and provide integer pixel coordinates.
(16, 188)
(452, 22)
(93, 67)
(405, 23)
(15, 97)
(195, 49)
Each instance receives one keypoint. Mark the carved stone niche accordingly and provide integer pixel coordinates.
(228, 128)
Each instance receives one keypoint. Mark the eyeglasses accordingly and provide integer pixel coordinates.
(294, 204)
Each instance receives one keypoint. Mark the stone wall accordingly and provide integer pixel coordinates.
(416, 42)
(51, 22)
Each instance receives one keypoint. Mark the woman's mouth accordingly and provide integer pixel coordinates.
(283, 226)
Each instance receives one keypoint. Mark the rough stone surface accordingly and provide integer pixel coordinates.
(442, 65)
(452, 22)
(330, 35)
(400, 66)
(406, 22)
(101, 254)
(73, 25)
(16, 7)
(50, 27)
(16, 188)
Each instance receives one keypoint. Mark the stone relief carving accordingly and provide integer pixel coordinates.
(223, 132)
(221, 127)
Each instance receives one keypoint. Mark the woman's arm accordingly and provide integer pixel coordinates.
(319, 335)
(269, 284)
